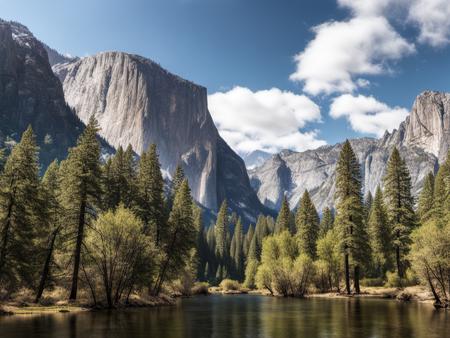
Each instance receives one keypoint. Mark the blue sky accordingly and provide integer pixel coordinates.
(364, 62)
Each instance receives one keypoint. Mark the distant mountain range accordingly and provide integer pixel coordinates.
(137, 102)
(423, 140)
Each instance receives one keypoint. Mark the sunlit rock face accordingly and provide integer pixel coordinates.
(139, 103)
(423, 140)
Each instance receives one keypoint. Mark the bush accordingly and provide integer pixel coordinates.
(200, 288)
(372, 282)
(393, 280)
(230, 285)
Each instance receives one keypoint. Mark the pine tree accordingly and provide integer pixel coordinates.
(400, 206)
(350, 214)
(237, 249)
(248, 239)
(120, 176)
(20, 208)
(221, 229)
(181, 236)
(426, 199)
(327, 221)
(150, 191)
(380, 235)
(307, 225)
(81, 191)
(442, 192)
(367, 206)
(177, 178)
(283, 219)
(50, 192)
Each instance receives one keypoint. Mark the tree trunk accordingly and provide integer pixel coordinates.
(356, 280)
(77, 254)
(347, 274)
(46, 270)
(398, 261)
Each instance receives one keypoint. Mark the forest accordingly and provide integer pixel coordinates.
(112, 228)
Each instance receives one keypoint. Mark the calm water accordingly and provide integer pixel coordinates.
(242, 316)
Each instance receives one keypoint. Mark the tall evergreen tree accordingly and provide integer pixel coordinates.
(52, 225)
(400, 206)
(177, 178)
(150, 190)
(367, 206)
(283, 219)
(248, 239)
(350, 214)
(237, 249)
(221, 229)
(181, 236)
(20, 208)
(441, 192)
(307, 225)
(426, 199)
(81, 191)
(327, 221)
(380, 235)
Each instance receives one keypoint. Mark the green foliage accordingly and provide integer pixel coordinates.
(307, 226)
(327, 221)
(380, 236)
(120, 251)
(329, 253)
(221, 231)
(426, 199)
(237, 250)
(230, 285)
(283, 219)
(400, 207)
(20, 214)
(250, 273)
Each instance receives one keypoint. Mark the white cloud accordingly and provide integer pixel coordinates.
(366, 114)
(365, 7)
(341, 52)
(268, 119)
(432, 17)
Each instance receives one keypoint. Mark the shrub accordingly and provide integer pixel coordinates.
(200, 288)
(230, 285)
(393, 280)
(372, 282)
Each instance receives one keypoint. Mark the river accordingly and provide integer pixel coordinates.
(242, 316)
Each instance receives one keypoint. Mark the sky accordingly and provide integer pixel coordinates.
(280, 74)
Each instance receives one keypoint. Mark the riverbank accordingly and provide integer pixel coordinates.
(30, 308)
(412, 293)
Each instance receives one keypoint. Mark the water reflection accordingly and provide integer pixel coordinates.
(242, 316)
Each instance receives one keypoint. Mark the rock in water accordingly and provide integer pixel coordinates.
(139, 103)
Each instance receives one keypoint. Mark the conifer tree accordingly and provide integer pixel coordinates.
(426, 199)
(350, 214)
(327, 221)
(50, 192)
(237, 247)
(367, 206)
(400, 206)
(380, 235)
(81, 191)
(150, 190)
(20, 208)
(307, 225)
(248, 239)
(177, 178)
(181, 236)
(441, 192)
(283, 219)
(221, 229)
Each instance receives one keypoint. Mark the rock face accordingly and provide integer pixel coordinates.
(423, 140)
(30, 94)
(139, 103)
(255, 158)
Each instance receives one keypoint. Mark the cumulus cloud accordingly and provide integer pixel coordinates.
(269, 120)
(342, 52)
(366, 114)
(366, 7)
(432, 18)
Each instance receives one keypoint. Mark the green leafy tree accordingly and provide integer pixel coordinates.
(329, 252)
(221, 229)
(400, 207)
(380, 235)
(20, 208)
(307, 225)
(283, 219)
(350, 215)
(81, 191)
(442, 192)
